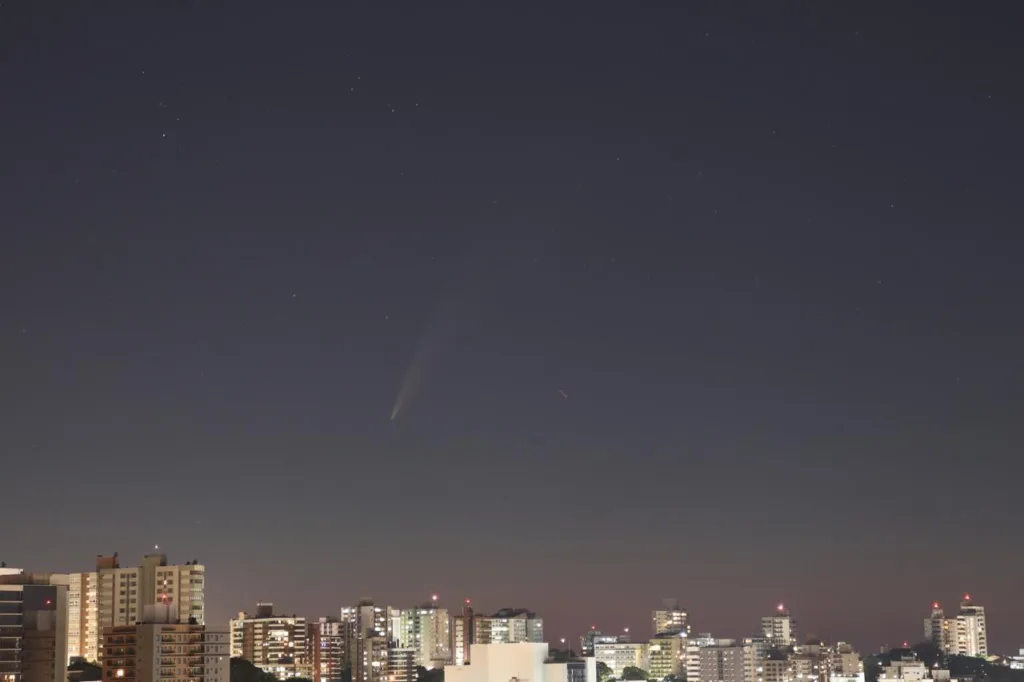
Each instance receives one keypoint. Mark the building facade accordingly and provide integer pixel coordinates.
(159, 647)
(427, 629)
(401, 664)
(621, 655)
(667, 656)
(693, 647)
(521, 662)
(33, 628)
(971, 629)
(84, 629)
(462, 634)
(964, 635)
(779, 628)
(671, 618)
(326, 640)
(371, 631)
(114, 595)
(508, 626)
(846, 661)
(273, 643)
(724, 661)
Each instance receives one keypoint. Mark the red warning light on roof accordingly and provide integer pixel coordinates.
(967, 597)
(935, 605)
(781, 607)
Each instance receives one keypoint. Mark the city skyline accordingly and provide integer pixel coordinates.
(569, 307)
(634, 621)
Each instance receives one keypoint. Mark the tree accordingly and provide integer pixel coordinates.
(244, 671)
(604, 673)
(928, 653)
(873, 667)
(429, 674)
(82, 670)
(631, 672)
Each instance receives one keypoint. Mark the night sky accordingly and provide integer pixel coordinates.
(716, 301)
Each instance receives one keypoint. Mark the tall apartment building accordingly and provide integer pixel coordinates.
(401, 664)
(971, 629)
(372, 630)
(84, 629)
(273, 643)
(371, 663)
(114, 595)
(33, 628)
(462, 634)
(779, 628)
(693, 646)
(671, 618)
(508, 626)
(326, 641)
(965, 635)
(427, 630)
(667, 655)
(160, 647)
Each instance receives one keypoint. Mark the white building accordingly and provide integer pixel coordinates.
(779, 628)
(908, 669)
(971, 629)
(693, 647)
(522, 662)
(621, 655)
(274, 643)
(846, 661)
(670, 618)
(372, 629)
(964, 635)
(112, 596)
(427, 629)
(666, 655)
(508, 626)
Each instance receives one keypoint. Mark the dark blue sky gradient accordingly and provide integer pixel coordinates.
(771, 254)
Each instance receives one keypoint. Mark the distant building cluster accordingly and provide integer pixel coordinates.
(964, 634)
(147, 623)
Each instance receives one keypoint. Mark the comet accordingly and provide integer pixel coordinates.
(436, 338)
